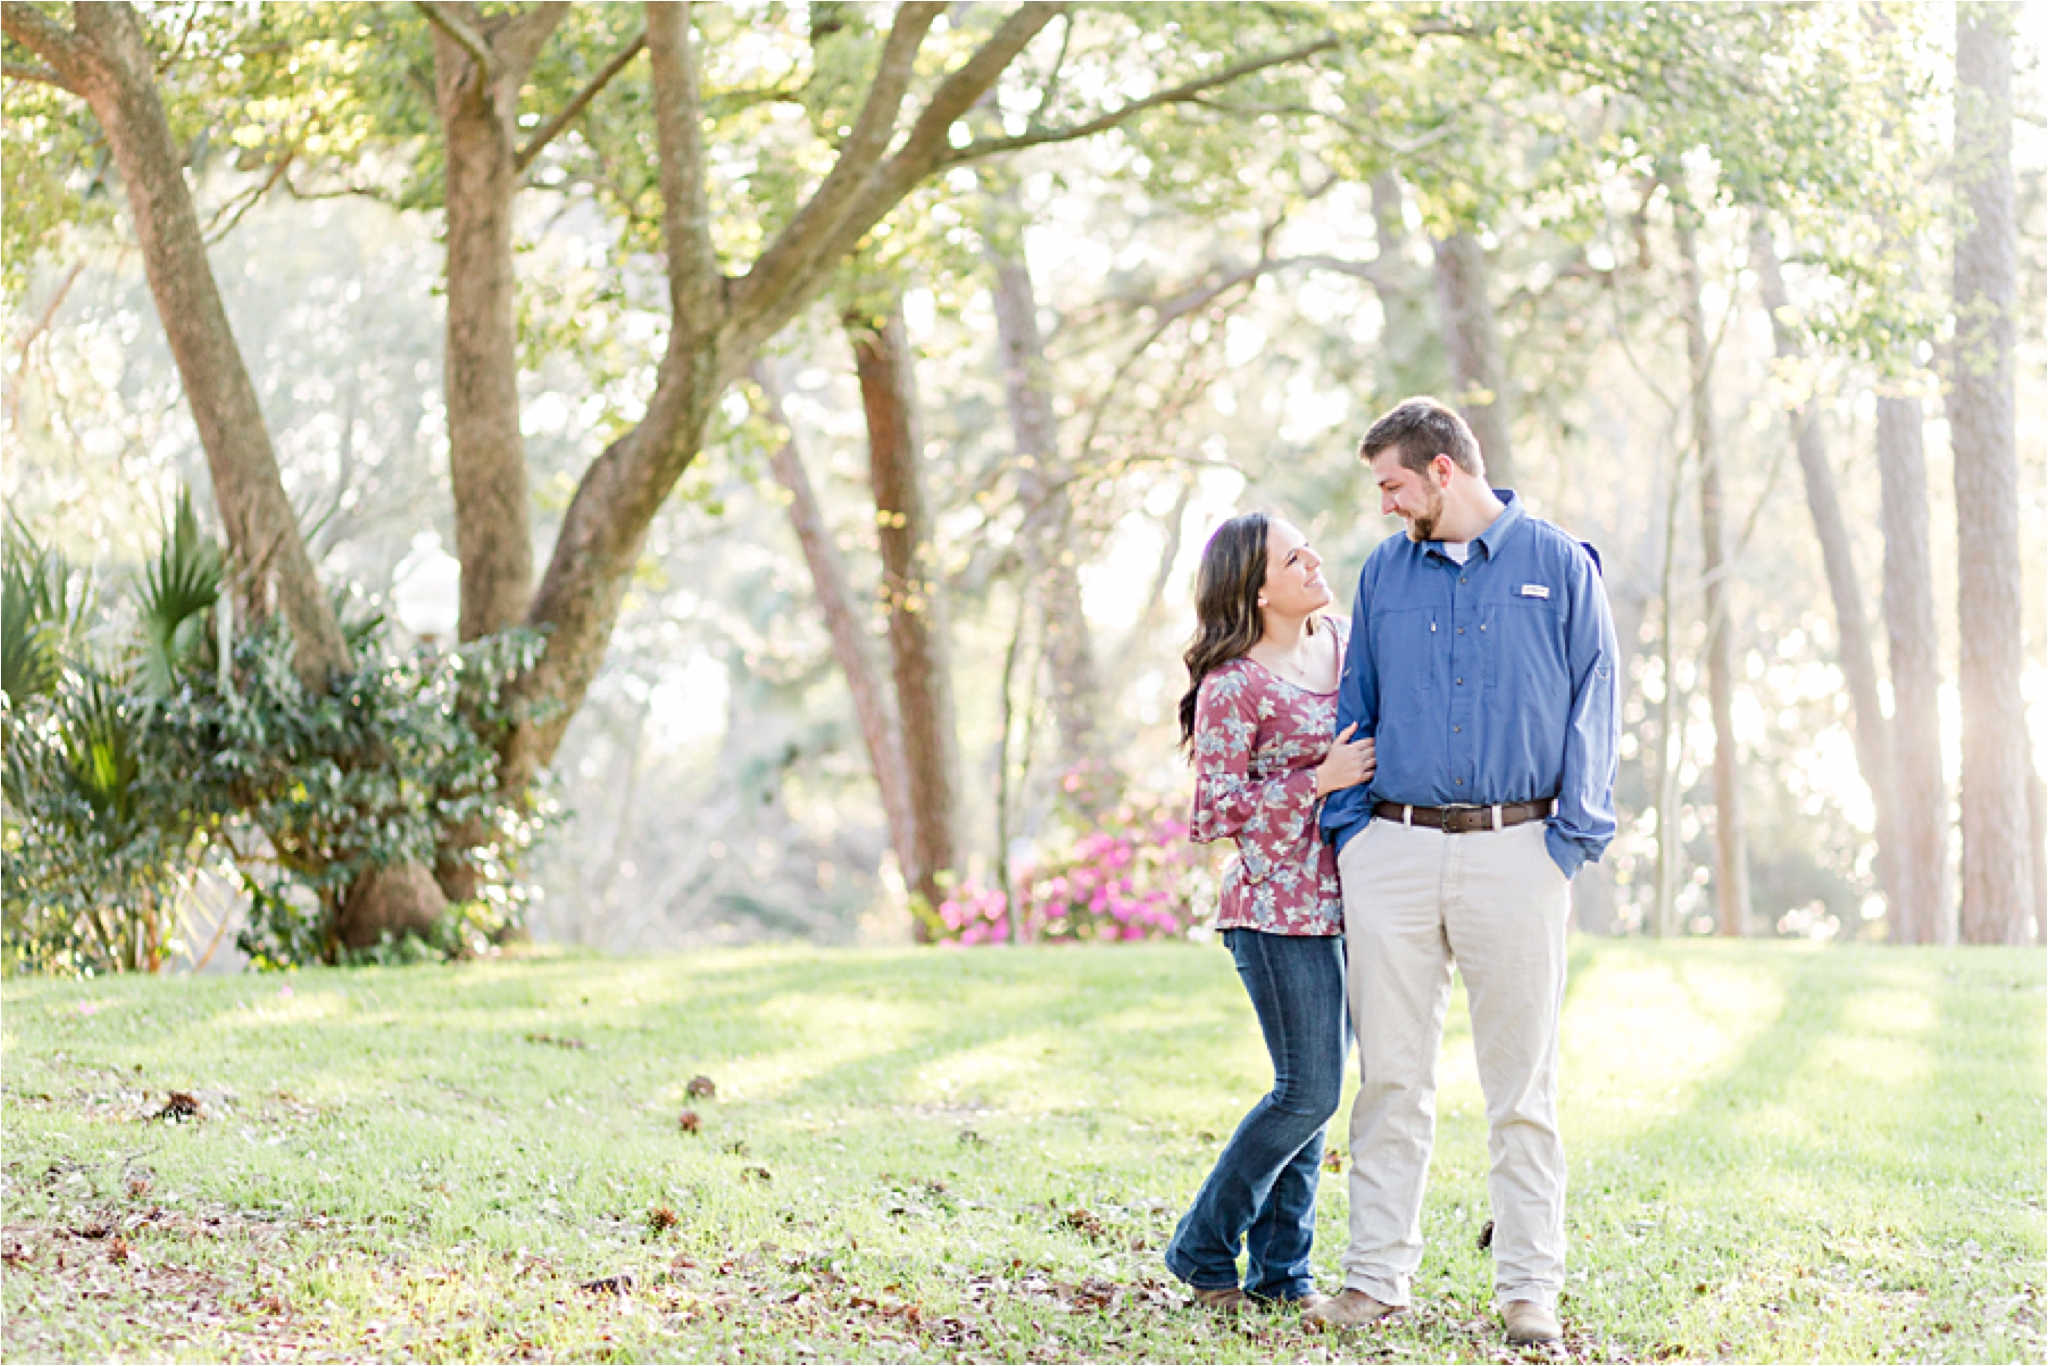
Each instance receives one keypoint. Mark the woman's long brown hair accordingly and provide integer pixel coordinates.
(1227, 617)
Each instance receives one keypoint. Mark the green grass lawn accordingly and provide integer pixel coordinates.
(1777, 1153)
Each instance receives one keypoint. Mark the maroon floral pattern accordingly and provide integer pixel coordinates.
(1258, 741)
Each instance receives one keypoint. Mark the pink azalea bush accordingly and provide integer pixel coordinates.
(1132, 875)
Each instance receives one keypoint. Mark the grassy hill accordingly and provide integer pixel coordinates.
(1777, 1153)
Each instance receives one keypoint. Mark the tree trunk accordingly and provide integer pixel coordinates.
(109, 63)
(1472, 338)
(1671, 709)
(479, 113)
(1049, 565)
(846, 618)
(1731, 857)
(603, 531)
(1997, 865)
(1410, 358)
(913, 597)
(1924, 910)
(1857, 658)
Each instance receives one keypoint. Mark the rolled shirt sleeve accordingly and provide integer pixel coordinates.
(1348, 810)
(1583, 825)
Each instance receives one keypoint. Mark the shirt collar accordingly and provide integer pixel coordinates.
(1503, 526)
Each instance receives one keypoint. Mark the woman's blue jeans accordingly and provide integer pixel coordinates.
(1262, 1194)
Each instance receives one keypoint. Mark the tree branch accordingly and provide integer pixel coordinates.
(521, 39)
(693, 275)
(858, 155)
(924, 148)
(62, 48)
(233, 212)
(548, 131)
(171, 57)
(465, 37)
(1436, 133)
(1179, 94)
(40, 75)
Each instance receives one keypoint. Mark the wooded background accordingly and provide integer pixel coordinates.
(846, 390)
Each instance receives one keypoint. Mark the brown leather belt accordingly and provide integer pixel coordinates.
(1464, 820)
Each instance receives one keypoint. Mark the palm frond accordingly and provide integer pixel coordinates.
(40, 614)
(184, 581)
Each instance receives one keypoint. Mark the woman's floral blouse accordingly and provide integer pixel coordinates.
(1258, 740)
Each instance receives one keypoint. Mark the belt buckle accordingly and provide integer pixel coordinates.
(1454, 818)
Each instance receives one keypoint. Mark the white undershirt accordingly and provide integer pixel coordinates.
(1457, 552)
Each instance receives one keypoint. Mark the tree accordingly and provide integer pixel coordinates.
(1858, 661)
(1731, 854)
(874, 705)
(913, 597)
(1472, 338)
(1998, 854)
(1047, 553)
(105, 59)
(1923, 909)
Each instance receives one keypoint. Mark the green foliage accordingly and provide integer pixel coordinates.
(99, 836)
(40, 613)
(123, 780)
(181, 583)
(369, 775)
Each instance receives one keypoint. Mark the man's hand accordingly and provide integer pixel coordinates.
(1350, 763)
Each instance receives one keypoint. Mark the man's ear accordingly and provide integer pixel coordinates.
(1442, 467)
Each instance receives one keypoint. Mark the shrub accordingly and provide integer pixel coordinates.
(122, 779)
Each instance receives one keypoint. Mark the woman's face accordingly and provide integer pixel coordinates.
(1294, 573)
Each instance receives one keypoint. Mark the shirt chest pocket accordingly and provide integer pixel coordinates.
(1409, 645)
(1520, 640)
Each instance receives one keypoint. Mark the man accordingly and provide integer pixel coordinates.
(1482, 664)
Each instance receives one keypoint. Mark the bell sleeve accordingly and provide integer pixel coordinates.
(1273, 819)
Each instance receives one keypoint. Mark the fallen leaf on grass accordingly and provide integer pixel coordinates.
(180, 1107)
(620, 1284)
(1086, 1224)
(558, 1043)
(1333, 1160)
(760, 1174)
(702, 1087)
(1486, 1235)
(661, 1219)
(688, 1122)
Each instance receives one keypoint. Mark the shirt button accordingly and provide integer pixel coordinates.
(1461, 782)
(1457, 730)
(1461, 578)
(1461, 682)
(1461, 630)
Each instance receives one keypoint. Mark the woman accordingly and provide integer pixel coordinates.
(1257, 717)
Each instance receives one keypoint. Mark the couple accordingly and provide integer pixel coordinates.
(1418, 797)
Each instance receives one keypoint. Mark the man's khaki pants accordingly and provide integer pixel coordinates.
(1493, 902)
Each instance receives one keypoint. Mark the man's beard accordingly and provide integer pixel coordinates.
(1422, 525)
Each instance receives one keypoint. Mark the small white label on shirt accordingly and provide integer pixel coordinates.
(1535, 590)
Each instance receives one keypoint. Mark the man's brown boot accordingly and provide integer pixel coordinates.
(1530, 1324)
(1352, 1309)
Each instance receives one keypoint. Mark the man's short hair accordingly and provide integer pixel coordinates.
(1421, 429)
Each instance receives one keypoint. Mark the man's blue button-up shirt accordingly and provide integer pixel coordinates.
(1485, 682)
